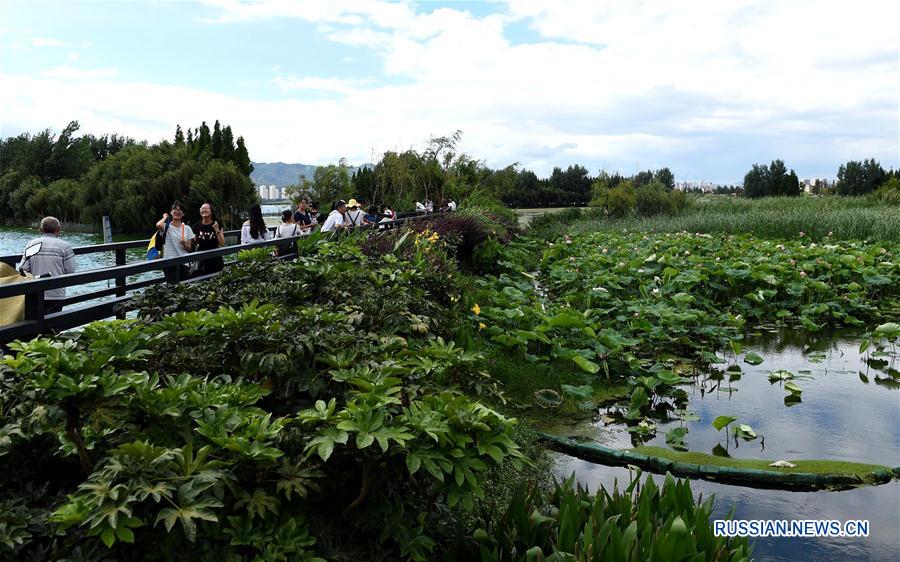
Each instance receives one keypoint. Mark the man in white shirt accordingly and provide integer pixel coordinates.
(335, 220)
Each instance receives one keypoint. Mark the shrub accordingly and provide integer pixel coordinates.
(889, 192)
(640, 523)
(654, 199)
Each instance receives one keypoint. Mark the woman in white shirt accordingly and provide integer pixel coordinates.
(354, 215)
(335, 220)
(254, 229)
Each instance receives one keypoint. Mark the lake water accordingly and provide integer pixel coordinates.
(850, 410)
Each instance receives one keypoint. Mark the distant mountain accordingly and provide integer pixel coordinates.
(280, 174)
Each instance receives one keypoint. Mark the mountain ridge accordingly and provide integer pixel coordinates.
(283, 174)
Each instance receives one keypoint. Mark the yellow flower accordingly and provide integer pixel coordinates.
(476, 309)
(481, 326)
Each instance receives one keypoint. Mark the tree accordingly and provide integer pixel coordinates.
(860, 178)
(642, 178)
(217, 140)
(756, 181)
(331, 183)
(242, 158)
(774, 180)
(665, 177)
(179, 136)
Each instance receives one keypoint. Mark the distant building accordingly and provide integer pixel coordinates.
(270, 192)
(814, 186)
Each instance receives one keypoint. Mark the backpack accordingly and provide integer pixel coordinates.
(287, 248)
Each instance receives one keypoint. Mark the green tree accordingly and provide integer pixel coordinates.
(242, 158)
(665, 177)
(860, 178)
(642, 178)
(217, 140)
(756, 181)
(332, 182)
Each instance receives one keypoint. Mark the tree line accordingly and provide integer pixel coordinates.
(81, 178)
(853, 178)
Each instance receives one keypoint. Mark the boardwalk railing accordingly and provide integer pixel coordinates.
(36, 320)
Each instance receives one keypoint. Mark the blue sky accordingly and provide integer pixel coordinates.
(706, 88)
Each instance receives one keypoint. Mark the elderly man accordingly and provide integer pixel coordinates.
(46, 256)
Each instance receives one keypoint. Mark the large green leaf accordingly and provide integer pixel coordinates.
(722, 421)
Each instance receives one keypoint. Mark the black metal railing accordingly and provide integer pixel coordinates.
(36, 320)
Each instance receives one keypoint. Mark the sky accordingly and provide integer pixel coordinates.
(705, 88)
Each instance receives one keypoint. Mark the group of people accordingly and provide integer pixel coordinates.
(50, 255)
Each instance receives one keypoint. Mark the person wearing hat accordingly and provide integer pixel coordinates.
(335, 220)
(354, 215)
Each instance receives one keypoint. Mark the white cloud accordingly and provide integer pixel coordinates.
(47, 42)
(314, 84)
(74, 56)
(66, 72)
(618, 84)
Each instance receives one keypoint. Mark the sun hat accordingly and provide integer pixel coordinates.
(353, 203)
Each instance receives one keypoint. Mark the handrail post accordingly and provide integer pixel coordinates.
(34, 307)
(120, 281)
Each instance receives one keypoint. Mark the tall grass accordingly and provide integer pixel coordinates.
(862, 218)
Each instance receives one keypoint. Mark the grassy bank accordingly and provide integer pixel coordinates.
(860, 218)
(803, 466)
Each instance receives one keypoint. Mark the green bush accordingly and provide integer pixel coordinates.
(889, 192)
(654, 199)
(334, 420)
(640, 523)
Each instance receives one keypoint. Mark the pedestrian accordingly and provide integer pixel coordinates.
(335, 220)
(209, 236)
(371, 217)
(354, 215)
(48, 255)
(287, 229)
(254, 229)
(303, 218)
(314, 213)
(179, 241)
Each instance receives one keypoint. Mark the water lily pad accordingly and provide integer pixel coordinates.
(780, 375)
(792, 387)
(675, 438)
(889, 330)
(577, 392)
(638, 401)
(744, 431)
(722, 421)
(752, 358)
(585, 364)
(686, 415)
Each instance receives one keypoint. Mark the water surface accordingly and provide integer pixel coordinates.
(850, 410)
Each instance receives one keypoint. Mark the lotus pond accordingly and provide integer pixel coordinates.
(848, 412)
(729, 346)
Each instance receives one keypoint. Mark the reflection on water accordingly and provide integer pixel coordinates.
(849, 411)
